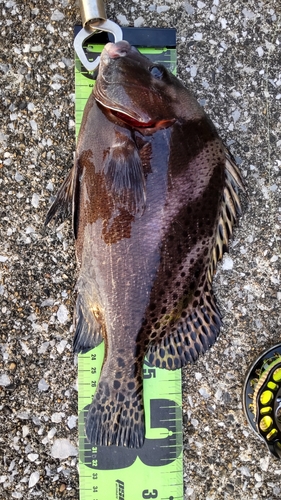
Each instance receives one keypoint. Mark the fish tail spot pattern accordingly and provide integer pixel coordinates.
(116, 417)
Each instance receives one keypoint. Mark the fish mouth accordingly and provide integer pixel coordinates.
(135, 122)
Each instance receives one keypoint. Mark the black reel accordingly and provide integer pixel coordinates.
(262, 398)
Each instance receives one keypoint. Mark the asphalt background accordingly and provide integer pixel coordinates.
(229, 55)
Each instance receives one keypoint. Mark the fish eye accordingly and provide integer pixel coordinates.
(156, 72)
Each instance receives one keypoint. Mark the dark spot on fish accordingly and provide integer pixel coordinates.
(170, 362)
(135, 368)
(138, 350)
(187, 356)
(197, 347)
(171, 350)
(116, 384)
(121, 362)
(179, 349)
(177, 362)
(120, 397)
(131, 385)
(205, 330)
(118, 375)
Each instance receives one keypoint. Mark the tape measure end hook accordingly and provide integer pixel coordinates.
(87, 32)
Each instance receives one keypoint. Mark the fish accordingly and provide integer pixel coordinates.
(154, 196)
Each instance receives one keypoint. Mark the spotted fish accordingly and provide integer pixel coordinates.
(154, 196)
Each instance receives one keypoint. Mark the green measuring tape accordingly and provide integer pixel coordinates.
(154, 471)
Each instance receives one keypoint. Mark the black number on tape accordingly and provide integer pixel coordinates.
(148, 494)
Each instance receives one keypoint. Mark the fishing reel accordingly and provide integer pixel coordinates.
(262, 398)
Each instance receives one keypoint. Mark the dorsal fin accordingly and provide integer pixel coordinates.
(198, 330)
(229, 212)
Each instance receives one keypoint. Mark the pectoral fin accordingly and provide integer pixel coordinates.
(125, 177)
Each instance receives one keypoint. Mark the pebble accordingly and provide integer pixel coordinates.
(122, 20)
(57, 417)
(57, 15)
(227, 263)
(35, 200)
(62, 449)
(62, 314)
(43, 385)
(72, 421)
(5, 380)
(33, 480)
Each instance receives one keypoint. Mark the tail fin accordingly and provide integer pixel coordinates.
(116, 415)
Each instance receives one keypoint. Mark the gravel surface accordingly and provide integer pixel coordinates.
(229, 55)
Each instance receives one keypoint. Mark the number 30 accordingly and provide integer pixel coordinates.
(147, 494)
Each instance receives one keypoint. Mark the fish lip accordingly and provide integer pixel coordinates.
(133, 120)
(126, 117)
(117, 108)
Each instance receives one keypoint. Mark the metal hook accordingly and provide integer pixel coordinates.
(93, 19)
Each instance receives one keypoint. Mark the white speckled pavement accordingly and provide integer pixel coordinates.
(229, 55)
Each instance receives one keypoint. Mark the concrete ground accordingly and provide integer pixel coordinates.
(229, 55)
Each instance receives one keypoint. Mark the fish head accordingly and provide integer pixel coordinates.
(136, 90)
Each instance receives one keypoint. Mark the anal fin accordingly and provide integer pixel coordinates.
(192, 336)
